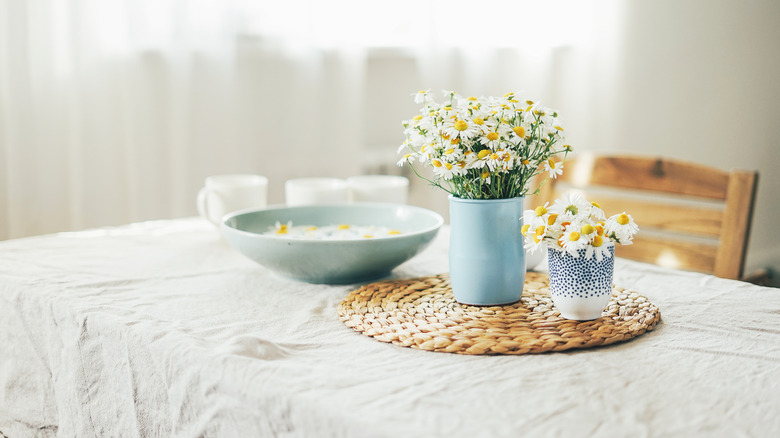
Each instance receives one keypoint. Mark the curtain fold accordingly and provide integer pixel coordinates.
(114, 111)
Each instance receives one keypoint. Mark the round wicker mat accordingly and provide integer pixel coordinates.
(422, 313)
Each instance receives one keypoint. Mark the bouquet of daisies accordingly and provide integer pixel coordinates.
(572, 224)
(483, 148)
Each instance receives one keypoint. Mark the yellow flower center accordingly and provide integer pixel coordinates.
(540, 230)
(540, 210)
(343, 227)
(558, 128)
(436, 163)
(282, 229)
(472, 98)
(598, 241)
(524, 229)
(461, 164)
(551, 219)
(478, 121)
(526, 162)
(448, 166)
(449, 151)
(417, 118)
(485, 174)
(461, 125)
(574, 236)
(483, 153)
(529, 102)
(311, 229)
(587, 229)
(551, 162)
(622, 219)
(494, 156)
(393, 232)
(595, 204)
(600, 230)
(455, 141)
(492, 136)
(519, 130)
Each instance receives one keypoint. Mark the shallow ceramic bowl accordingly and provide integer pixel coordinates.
(332, 261)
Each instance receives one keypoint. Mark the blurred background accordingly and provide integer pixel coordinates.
(114, 111)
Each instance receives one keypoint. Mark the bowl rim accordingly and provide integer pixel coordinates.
(282, 207)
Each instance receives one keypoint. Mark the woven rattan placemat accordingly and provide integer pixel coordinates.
(422, 313)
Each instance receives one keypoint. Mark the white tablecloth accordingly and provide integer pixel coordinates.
(161, 329)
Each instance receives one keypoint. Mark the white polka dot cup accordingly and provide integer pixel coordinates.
(580, 287)
(315, 191)
(379, 188)
(223, 194)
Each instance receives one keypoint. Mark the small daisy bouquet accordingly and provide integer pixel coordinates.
(486, 148)
(572, 224)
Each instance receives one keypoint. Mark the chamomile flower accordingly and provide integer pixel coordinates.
(535, 237)
(491, 140)
(571, 202)
(553, 168)
(530, 221)
(421, 96)
(447, 170)
(598, 247)
(408, 158)
(280, 228)
(621, 227)
(498, 161)
(456, 127)
(595, 212)
(572, 240)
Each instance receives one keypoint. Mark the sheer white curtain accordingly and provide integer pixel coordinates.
(114, 111)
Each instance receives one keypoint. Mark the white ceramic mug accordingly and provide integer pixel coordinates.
(310, 191)
(223, 194)
(379, 188)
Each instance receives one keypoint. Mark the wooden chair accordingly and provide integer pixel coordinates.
(690, 216)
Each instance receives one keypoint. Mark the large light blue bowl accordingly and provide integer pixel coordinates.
(332, 261)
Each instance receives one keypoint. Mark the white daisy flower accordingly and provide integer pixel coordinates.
(408, 158)
(599, 248)
(491, 139)
(571, 202)
(553, 168)
(445, 169)
(595, 213)
(497, 160)
(621, 227)
(460, 128)
(421, 96)
(572, 241)
(478, 160)
(535, 236)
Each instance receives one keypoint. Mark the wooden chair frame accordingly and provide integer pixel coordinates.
(706, 211)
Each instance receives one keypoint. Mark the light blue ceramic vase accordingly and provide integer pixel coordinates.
(487, 259)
